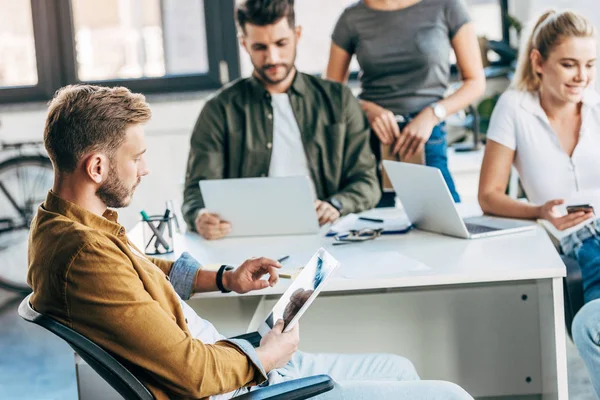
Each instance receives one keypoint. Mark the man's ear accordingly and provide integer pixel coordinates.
(298, 32)
(242, 40)
(96, 167)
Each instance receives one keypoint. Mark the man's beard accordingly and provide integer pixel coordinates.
(113, 192)
(264, 77)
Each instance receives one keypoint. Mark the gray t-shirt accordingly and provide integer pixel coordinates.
(403, 54)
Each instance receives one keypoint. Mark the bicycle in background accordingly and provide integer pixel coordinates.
(26, 175)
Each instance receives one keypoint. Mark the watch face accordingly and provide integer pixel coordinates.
(439, 111)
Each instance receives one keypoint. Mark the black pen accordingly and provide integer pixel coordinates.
(378, 220)
(282, 259)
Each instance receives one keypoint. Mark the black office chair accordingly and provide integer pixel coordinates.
(573, 291)
(128, 386)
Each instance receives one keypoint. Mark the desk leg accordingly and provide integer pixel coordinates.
(258, 317)
(553, 339)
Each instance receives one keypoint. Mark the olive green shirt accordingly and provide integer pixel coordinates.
(234, 134)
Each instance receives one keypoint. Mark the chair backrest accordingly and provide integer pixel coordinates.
(573, 291)
(111, 370)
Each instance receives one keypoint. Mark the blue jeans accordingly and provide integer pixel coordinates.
(436, 155)
(367, 376)
(584, 245)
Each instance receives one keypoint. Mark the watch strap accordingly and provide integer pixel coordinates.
(335, 203)
(219, 279)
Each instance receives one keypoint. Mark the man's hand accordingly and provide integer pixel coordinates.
(211, 226)
(382, 122)
(247, 277)
(276, 348)
(415, 134)
(549, 211)
(326, 212)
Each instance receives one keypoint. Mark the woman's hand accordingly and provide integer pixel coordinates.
(549, 211)
(382, 121)
(415, 134)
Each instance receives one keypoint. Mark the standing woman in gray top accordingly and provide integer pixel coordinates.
(403, 49)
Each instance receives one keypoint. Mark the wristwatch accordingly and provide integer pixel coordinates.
(336, 204)
(220, 278)
(439, 111)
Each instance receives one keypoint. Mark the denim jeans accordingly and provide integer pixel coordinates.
(584, 245)
(362, 377)
(436, 155)
(367, 376)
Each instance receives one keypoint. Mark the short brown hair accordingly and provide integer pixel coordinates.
(86, 118)
(264, 12)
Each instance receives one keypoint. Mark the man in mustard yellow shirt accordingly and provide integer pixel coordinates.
(86, 274)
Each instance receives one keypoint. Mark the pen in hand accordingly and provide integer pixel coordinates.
(282, 259)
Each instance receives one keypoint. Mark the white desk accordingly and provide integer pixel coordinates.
(486, 314)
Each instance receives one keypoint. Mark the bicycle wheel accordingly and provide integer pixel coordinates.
(24, 184)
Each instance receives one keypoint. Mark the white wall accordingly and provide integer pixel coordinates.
(167, 137)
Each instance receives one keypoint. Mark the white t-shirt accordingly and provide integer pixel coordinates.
(206, 332)
(288, 157)
(546, 170)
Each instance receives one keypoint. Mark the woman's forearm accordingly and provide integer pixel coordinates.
(364, 104)
(466, 95)
(500, 204)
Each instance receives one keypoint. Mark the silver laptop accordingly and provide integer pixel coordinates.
(263, 206)
(430, 207)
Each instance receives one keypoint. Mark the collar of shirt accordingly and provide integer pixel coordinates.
(531, 102)
(106, 223)
(298, 86)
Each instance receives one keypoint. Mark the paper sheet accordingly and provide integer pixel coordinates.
(385, 264)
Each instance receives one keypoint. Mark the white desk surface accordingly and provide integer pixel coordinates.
(450, 261)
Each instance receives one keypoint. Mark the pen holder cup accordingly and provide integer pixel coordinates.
(158, 234)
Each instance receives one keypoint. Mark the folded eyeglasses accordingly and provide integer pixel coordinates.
(356, 236)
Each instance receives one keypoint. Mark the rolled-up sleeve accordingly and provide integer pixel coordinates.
(183, 275)
(360, 186)
(111, 306)
(206, 159)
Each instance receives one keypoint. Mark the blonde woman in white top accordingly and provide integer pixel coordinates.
(548, 127)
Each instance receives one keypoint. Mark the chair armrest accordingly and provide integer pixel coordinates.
(297, 389)
(253, 337)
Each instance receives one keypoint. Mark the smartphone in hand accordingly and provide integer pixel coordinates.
(579, 207)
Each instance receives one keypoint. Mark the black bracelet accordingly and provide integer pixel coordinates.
(220, 278)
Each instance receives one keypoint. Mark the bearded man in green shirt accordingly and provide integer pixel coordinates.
(281, 122)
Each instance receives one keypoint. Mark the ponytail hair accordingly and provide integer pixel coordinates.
(550, 29)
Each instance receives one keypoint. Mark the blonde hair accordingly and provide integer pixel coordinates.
(84, 118)
(550, 29)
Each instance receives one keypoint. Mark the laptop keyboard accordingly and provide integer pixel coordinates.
(475, 229)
